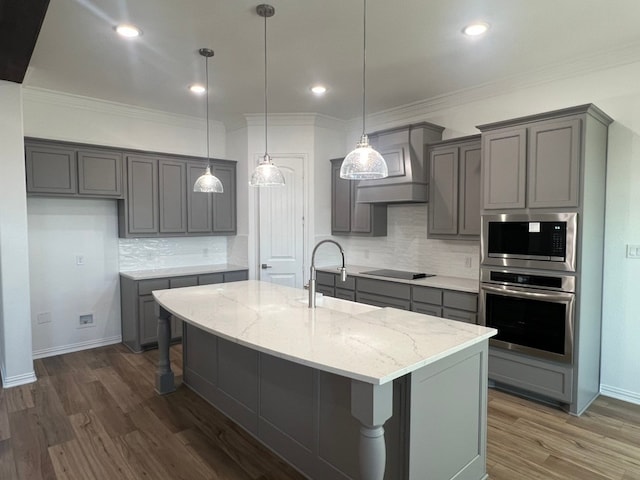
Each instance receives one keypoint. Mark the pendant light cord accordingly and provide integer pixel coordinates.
(265, 88)
(364, 65)
(206, 76)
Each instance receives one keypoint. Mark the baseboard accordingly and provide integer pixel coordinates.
(76, 347)
(15, 380)
(620, 394)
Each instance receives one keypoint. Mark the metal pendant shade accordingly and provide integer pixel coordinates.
(207, 182)
(364, 162)
(266, 174)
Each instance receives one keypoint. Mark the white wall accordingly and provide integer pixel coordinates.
(16, 365)
(72, 226)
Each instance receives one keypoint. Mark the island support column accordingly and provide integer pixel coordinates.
(164, 375)
(372, 405)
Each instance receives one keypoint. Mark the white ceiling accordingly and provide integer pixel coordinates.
(415, 50)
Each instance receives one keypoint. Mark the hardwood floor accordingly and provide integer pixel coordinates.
(94, 415)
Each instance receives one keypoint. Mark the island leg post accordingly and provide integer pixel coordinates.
(164, 375)
(372, 405)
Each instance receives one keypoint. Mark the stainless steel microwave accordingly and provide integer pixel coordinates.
(545, 241)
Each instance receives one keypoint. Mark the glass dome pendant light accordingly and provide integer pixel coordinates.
(207, 182)
(266, 174)
(364, 162)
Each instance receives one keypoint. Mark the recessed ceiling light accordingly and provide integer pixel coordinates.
(128, 30)
(319, 89)
(197, 88)
(475, 29)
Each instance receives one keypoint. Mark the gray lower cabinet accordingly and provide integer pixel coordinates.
(454, 189)
(349, 217)
(138, 308)
(64, 169)
(533, 162)
(383, 294)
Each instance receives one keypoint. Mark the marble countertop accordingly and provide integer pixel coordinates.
(439, 281)
(180, 271)
(371, 344)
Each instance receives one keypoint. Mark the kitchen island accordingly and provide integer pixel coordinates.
(317, 385)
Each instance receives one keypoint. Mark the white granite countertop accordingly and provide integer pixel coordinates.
(371, 344)
(439, 281)
(180, 271)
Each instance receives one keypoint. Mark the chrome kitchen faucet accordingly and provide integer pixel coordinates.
(312, 278)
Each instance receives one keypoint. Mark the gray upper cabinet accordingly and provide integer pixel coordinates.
(100, 173)
(224, 204)
(200, 216)
(142, 195)
(72, 170)
(172, 196)
(50, 169)
(349, 217)
(454, 191)
(535, 164)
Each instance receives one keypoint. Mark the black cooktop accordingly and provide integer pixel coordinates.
(398, 274)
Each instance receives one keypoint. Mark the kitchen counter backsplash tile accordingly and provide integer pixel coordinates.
(406, 247)
(155, 253)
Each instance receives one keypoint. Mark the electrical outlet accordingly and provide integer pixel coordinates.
(79, 259)
(468, 261)
(85, 320)
(633, 251)
(44, 317)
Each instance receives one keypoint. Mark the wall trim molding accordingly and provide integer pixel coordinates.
(16, 380)
(76, 347)
(620, 394)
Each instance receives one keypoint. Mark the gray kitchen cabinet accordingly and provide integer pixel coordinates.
(454, 189)
(138, 312)
(224, 204)
(72, 170)
(383, 294)
(100, 173)
(326, 283)
(200, 216)
(349, 217)
(535, 164)
(172, 184)
(331, 285)
(142, 196)
(454, 305)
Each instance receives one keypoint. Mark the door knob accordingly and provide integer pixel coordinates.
(265, 266)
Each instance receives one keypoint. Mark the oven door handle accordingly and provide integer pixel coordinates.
(528, 293)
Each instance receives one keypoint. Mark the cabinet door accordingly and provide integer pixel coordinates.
(224, 204)
(341, 198)
(99, 173)
(443, 191)
(553, 164)
(172, 196)
(50, 169)
(148, 322)
(504, 168)
(199, 206)
(142, 195)
(469, 206)
(361, 221)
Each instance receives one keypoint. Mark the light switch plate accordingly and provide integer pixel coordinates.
(633, 251)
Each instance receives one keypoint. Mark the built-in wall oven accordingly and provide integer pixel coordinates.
(544, 241)
(533, 312)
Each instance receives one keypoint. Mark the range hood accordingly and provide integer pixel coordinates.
(403, 148)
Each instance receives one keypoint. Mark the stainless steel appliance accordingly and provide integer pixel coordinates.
(543, 241)
(533, 313)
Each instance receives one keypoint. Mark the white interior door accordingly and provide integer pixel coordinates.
(282, 225)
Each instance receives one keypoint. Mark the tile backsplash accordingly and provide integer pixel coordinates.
(406, 247)
(152, 253)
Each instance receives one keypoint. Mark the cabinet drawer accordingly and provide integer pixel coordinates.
(210, 278)
(387, 289)
(460, 315)
(427, 295)
(145, 287)
(178, 282)
(345, 294)
(236, 276)
(427, 309)
(382, 301)
(327, 291)
(324, 278)
(348, 284)
(460, 300)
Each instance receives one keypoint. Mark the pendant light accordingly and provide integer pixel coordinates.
(266, 174)
(207, 182)
(364, 162)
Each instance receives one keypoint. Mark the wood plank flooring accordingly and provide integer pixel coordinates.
(94, 415)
